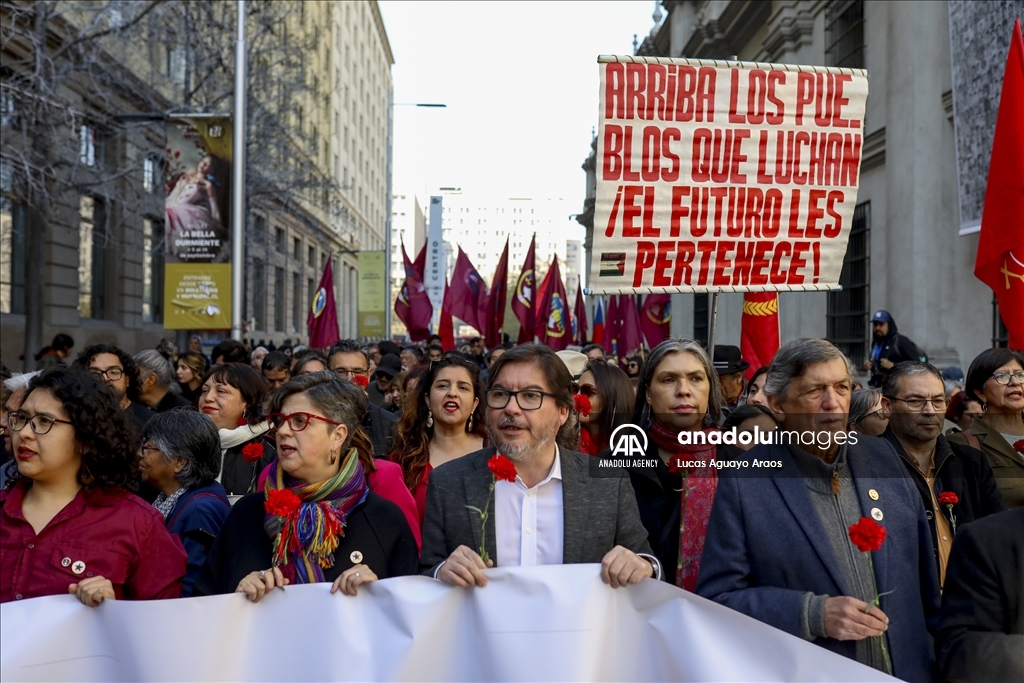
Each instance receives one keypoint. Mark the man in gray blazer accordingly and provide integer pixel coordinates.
(554, 512)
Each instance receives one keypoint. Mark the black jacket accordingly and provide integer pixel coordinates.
(960, 469)
(170, 401)
(981, 632)
(377, 529)
(896, 348)
(658, 496)
(380, 427)
(240, 477)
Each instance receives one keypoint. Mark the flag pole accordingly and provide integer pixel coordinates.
(712, 326)
(238, 182)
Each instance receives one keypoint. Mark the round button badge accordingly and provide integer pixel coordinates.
(356, 557)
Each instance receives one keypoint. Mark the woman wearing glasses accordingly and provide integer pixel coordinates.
(232, 397)
(441, 421)
(317, 521)
(611, 398)
(866, 415)
(68, 523)
(996, 378)
(180, 458)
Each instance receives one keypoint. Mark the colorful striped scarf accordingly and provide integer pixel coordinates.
(306, 536)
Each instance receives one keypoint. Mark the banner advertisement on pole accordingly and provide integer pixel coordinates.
(436, 272)
(197, 244)
(373, 296)
(724, 176)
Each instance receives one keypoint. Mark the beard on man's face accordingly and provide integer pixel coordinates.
(521, 448)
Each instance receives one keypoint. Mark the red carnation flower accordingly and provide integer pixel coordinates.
(583, 405)
(241, 422)
(252, 452)
(948, 498)
(502, 468)
(1018, 445)
(361, 380)
(282, 502)
(867, 535)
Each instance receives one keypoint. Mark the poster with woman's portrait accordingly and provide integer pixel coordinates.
(198, 190)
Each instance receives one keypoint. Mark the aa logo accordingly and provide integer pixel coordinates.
(628, 441)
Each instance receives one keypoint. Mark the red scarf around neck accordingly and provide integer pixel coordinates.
(698, 494)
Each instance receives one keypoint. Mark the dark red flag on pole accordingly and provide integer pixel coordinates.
(611, 327)
(1000, 260)
(468, 294)
(552, 321)
(322, 321)
(579, 315)
(523, 296)
(445, 326)
(495, 316)
(630, 334)
(759, 329)
(413, 305)
(655, 317)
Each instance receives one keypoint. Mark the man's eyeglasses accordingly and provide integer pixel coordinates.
(917, 404)
(346, 373)
(113, 374)
(1004, 377)
(41, 424)
(527, 399)
(296, 421)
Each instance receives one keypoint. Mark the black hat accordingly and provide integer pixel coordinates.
(728, 360)
(389, 365)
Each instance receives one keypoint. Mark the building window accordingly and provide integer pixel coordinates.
(296, 248)
(12, 253)
(92, 247)
(279, 239)
(279, 300)
(87, 145)
(152, 271)
(296, 302)
(259, 229)
(844, 34)
(1000, 335)
(152, 175)
(259, 294)
(701, 310)
(847, 312)
(312, 257)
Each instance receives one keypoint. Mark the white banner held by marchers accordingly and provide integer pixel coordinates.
(724, 176)
(554, 623)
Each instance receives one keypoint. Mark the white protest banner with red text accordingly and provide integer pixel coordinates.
(724, 176)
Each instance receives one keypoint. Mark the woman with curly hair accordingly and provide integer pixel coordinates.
(232, 397)
(319, 520)
(441, 421)
(68, 523)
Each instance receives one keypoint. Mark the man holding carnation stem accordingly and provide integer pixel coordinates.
(525, 501)
(779, 546)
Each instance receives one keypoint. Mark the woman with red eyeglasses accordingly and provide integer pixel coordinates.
(604, 400)
(317, 520)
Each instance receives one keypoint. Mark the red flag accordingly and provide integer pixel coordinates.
(1000, 260)
(655, 317)
(445, 326)
(413, 305)
(630, 334)
(322, 321)
(495, 316)
(523, 296)
(759, 329)
(598, 335)
(552, 323)
(468, 294)
(579, 315)
(611, 327)
(419, 264)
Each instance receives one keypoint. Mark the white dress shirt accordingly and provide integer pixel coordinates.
(528, 522)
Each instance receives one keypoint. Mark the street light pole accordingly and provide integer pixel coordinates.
(238, 182)
(387, 205)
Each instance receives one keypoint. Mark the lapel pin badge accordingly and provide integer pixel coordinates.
(876, 514)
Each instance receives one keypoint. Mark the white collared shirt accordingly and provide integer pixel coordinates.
(528, 523)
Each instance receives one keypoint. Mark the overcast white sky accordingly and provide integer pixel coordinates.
(521, 83)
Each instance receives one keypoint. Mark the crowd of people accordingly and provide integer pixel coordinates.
(167, 474)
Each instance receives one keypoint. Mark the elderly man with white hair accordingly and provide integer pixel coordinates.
(157, 388)
(779, 546)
